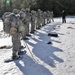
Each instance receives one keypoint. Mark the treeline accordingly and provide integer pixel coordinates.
(53, 5)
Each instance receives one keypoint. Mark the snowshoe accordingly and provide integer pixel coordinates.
(28, 35)
(13, 59)
(21, 52)
(22, 47)
(25, 38)
(33, 31)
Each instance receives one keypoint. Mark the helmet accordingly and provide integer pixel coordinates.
(15, 11)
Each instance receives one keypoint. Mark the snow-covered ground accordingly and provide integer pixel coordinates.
(57, 58)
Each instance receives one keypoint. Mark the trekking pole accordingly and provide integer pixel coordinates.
(27, 46)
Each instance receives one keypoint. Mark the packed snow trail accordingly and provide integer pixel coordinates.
(57, 58)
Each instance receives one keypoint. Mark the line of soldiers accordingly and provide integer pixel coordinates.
(20, 23)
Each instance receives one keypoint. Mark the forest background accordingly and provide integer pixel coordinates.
(53, 5)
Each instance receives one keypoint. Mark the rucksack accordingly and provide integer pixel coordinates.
(10, 22)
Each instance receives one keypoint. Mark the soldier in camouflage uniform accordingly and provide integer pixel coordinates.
(39, 19)
(48, 17)
(12, 23)
(51, 16)
(33, 21)
(45, 18)
(28, 19)
(42, 18)
(23, 22)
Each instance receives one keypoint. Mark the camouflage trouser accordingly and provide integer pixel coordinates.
(23, 34)
(27, 28)
(32, 26)
(16, 44)
(48, 21)
(51, 18)
(38, 23)
(43, 21)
